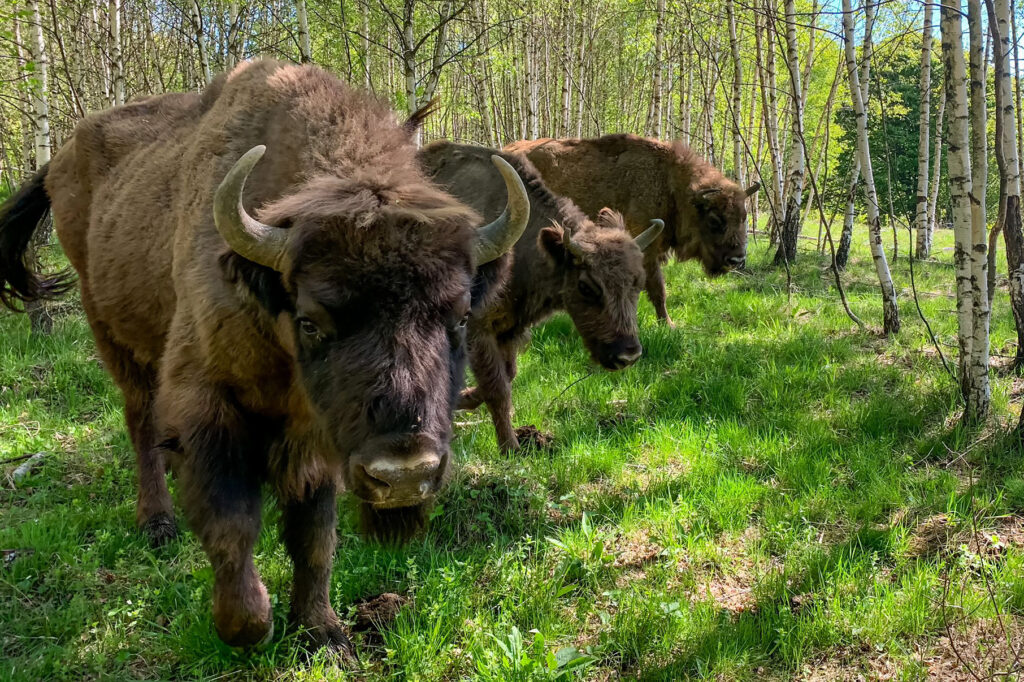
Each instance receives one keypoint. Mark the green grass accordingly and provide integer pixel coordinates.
(756, 498)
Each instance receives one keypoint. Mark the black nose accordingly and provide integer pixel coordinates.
(623, 353)
(736, 261)
(390, 414)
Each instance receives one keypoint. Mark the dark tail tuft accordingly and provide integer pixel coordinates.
(416, 118)
(20, 215)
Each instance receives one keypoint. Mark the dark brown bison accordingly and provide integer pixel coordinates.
(591, 269)
(704, 211)
(317, 345)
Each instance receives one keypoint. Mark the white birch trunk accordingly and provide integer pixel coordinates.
(305, 48)
(654, 114)
(1008, 156)
(40, 92)
(737, 93)
(940, 120)
(924, 227)
(797, 170)
(204, 57)
(890, 309)
(960, 185)
(979, 392)
(116, 62)
(233, 31)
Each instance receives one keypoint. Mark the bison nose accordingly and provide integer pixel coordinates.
(630, 353)
(736, 262)
(393, 479)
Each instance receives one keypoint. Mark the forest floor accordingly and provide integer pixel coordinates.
(770, 493)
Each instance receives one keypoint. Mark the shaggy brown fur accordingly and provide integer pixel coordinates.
(704, 212)
(240, 375)
(599, 290)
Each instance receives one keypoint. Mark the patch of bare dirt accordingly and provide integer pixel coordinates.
(849, 665)
(982, 650)
(731, 580)
(530, 436)
(938, 535)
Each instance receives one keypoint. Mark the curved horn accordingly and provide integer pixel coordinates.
(571, 245)
(248, 237)
(753, 189)
(647, 237)
(496, 238)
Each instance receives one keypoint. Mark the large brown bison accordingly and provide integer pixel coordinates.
(296, 322)
(704, 211)
(591, 269)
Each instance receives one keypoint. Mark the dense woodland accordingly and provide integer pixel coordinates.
(841, 112)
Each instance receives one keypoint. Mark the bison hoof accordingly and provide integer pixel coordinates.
(332, 639)
(248, 635)
(160, 529)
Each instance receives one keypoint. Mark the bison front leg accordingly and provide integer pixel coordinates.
(656, 290)
(489, 362)
(221, 498)
(308, 531)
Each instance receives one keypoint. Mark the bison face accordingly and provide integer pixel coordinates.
(718, 234)
(602, 274)
(371, 288)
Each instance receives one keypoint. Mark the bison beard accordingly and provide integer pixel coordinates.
(247, 351)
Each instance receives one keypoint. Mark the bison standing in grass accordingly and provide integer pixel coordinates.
(592, 269)
(705, 212)
(296, 322)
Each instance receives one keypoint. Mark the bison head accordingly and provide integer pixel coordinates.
(603, 273)
(370, 285)
(718, 226)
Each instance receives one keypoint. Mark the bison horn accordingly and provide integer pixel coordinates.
(647, 237)
(248, 237)
(496, 238)
(571, 244)
(753, 189)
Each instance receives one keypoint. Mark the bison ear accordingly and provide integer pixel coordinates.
(262, 283)
(552, 242)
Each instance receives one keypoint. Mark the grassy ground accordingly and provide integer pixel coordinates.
(771, 493)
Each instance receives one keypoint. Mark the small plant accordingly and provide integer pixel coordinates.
(516, 660)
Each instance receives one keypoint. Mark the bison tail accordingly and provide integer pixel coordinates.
(20, 216)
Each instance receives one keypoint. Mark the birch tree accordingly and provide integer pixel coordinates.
(924, 227)
(737, 93)
(1008, 159)
(305, 49)
(116, 62)
(40, 87)
(960, 187)
(196, 16)
(977, 364)
(654, 115)
(846, 237)
(791, 215)
(890, 308)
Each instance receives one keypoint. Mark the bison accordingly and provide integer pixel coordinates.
(592, 269)
(644, 179)
(296, 322)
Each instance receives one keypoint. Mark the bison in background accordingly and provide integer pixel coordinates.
(564, 261)
(705, 212)
(317, 345)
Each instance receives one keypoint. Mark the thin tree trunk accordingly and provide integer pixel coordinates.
(940, 121)
(791, 219)
(890, 308)
(655, 111)
(850, 215)
(232, 56)
(737, 94)
(960, 185)
(116, 63)
(769, 103)
(977, 368)
(1000, 18)
(305, 49)
(39, 316)
(924, 228)
(197, 26)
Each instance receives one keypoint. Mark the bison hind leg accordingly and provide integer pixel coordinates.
(160, 529)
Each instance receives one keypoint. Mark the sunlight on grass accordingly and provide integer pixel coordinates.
(769, 488)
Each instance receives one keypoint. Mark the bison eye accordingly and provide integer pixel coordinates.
(309, 327)
(588, 291)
